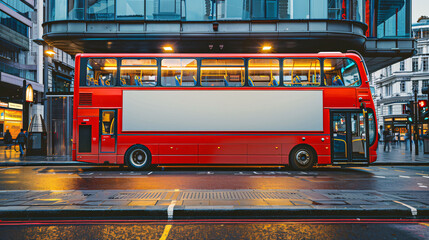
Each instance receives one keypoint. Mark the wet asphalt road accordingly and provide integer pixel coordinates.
(113, 177)
(217, 230)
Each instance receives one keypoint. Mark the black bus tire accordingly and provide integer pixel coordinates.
(302, 157)
(138, 157)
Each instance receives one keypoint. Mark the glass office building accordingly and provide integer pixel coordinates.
(232, 26)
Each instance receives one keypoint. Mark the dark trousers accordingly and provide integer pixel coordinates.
(387, 145)
(21, 148)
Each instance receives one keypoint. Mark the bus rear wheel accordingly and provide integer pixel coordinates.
(138, 157)
(302, 158)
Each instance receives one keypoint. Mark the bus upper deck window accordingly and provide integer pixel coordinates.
(264, 72)
(301, 72)
(179, 72)
(141, 72)
(341, 72)
(101, 72)
(222, 72)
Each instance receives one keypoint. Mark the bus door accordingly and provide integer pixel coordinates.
(108, 135)
(349, 141)
(87, 135)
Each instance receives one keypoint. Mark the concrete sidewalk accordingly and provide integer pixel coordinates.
(237, 203)
(398, 155)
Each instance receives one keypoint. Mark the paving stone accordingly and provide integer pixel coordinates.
(115, 203)
(45, 208)
(91, 203)
(358, 202)
(13, 203)
(13, 208)
(277, 202)
(163, 202)
(224, 202)
(330, 202)
(255, 203)
(76, 207)
(41, 202)
(195, 203)
(128, 207)
(142, 203)
(301, 202)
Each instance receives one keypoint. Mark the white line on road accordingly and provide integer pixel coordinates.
(425, 176)
(413, 210)
(170, 209)
(380, 176)
(404, 176)
(149, 173)
(422, 185)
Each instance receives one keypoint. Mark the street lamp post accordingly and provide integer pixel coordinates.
(416, 132)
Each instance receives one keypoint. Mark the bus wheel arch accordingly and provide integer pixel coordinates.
(302, 157)
(138, 157)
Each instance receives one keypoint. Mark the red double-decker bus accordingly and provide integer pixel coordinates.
(264, 109)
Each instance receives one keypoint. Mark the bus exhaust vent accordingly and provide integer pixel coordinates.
(85, 98)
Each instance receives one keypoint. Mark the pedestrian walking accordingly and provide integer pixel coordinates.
(387, 138)
(21, 139)
(406, 139)
(8, 139)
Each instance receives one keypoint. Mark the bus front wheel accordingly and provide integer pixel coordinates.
(302, 158)
(138, 157)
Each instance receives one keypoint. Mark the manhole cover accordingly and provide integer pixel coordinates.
(239, 195)
(139, 195)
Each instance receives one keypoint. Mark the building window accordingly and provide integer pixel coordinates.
(415, 64)
(199, 10)
(388, 89)
(101, 10)
(13, 24)
(402, 66)
(402, 86)
(129, 9)
(239, 9)
(415, 86)
(57, 10)
(425, 83)
(425, 64)
(389, 110)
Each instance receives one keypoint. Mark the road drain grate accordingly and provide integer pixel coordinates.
(239, 195)
(139, 195)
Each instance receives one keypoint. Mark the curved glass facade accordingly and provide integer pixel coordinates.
(384, 18)
(205, 10)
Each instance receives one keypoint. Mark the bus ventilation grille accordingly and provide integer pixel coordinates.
(85, 98)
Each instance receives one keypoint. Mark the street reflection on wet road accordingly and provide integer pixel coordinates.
(100, 178)
(219, 230)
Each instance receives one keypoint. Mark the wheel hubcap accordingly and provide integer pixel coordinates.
(302, 157)
(138, 157)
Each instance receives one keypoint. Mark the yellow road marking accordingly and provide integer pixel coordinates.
(362, 168)
(165, 233)
(423, 174)
(425, 224)
(382, 168)
(399, 171)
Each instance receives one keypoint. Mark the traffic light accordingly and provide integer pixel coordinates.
(409, 110)
(423, 110)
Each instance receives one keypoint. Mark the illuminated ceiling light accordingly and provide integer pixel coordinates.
(266, 48)
(168, 49)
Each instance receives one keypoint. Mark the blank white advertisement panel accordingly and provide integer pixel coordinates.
(222, 110)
